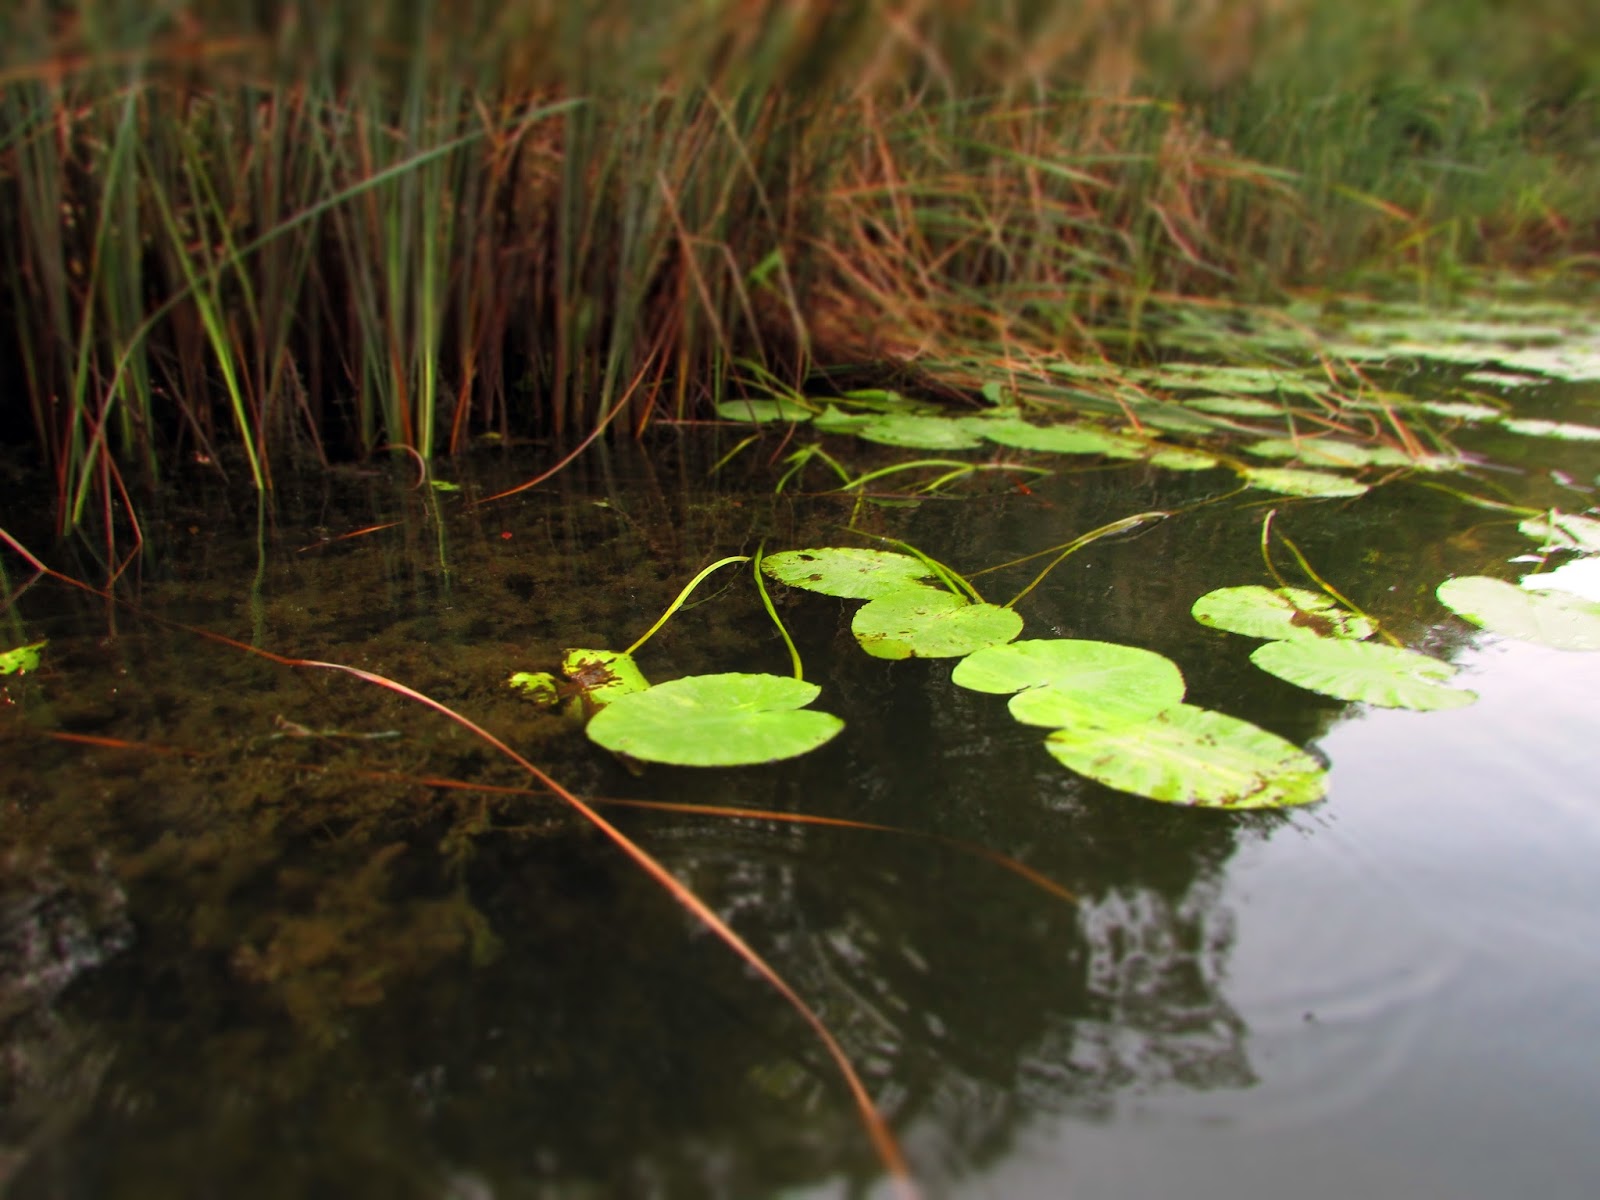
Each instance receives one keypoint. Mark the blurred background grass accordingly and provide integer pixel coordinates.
(247, 232)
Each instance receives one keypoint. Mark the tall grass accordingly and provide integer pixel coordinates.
(323, 229)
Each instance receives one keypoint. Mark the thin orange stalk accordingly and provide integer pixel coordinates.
(883, 1139)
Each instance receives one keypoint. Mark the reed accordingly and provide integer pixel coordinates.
(323, 229)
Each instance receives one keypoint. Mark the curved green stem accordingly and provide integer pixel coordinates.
(1078, 543)
(766, 603)
(682, 596)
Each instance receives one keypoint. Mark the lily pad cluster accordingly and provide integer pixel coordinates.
(1320, 646)
(907, 614)
(1116, 715)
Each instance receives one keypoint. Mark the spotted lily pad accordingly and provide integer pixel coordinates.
(20, 659)
(1065, 681)
(1555, 618)
(1289, 481)
(592, 680)
(923, 622)
(716, 721)
(1281, 613)
(1383, 675)
(763, 411)
(1190, 755)
(848, 572)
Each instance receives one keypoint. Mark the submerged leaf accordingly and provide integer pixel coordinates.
(846, 571)
(1364, 671)
(921, 622)
(1191, 755)
(716, 721)
(1555, 618)
(1064, 681)
(1281, 613)
(1289, 481)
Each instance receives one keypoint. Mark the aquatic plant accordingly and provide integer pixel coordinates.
(235, 235)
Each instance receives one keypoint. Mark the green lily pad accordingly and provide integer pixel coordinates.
(1194, 756)
(1563, 531)
(1462, 410)
(1182, 458)
(922, 433)
(847, 572)
(602, 676)
(716, 721)
(1563, 430)
(834, 420)
(922, 622)
(1228, 380)
(1383, 675)
(543, 688)
(763, 411)
(1289, 481)
(1325, 452)
(1279, 613)
(1052, 439)
(1066, 681)
(1554, 618)
(21, 659)
(1236, 406)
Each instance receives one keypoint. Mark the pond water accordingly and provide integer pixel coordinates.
(273, 948)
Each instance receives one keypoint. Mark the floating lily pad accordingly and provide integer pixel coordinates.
(20, 659)
(1191, 755)
(1562, 430)
(1325, 452)
(1065, 681)
(603, 675)
(1229, 380)
(1554, 618)
(923, 433)
(1236, 406)
(847, 572)
(1279, 613)
(1462, 410)
(1182, 458)
(1563, 531)
(593, 679)
(921, 622)
(834, 420)
(716, 721)
(1383, 675)
(1289, 481)
(763, 411)
(1053, 439)
(543, 688)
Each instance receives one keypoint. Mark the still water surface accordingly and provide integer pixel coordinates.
(278, 971)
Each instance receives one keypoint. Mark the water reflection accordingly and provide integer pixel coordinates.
(343, 984)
